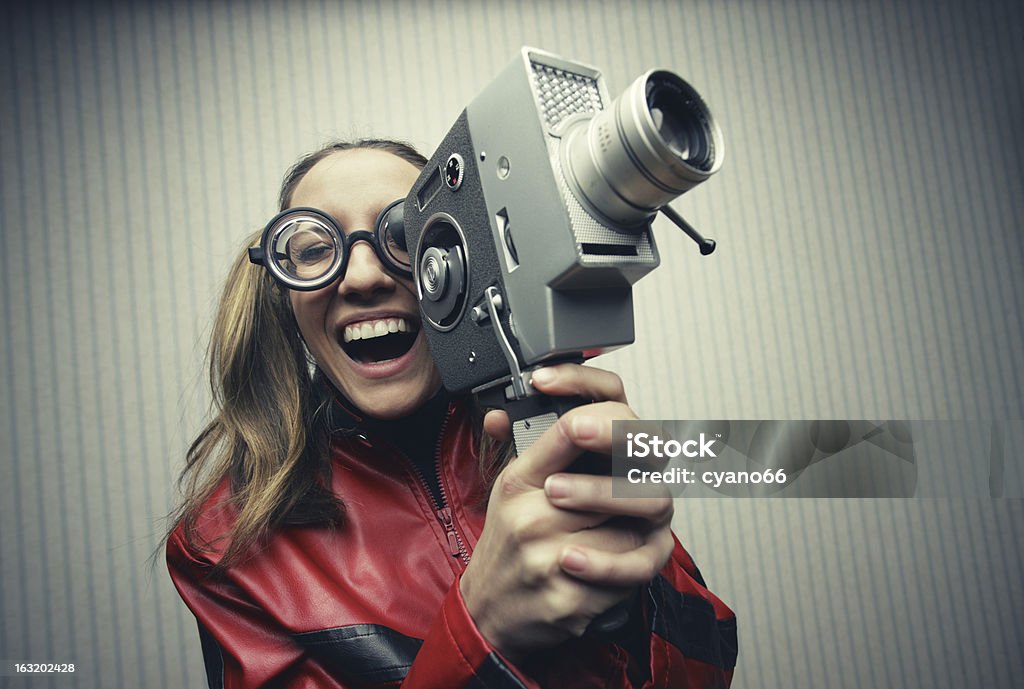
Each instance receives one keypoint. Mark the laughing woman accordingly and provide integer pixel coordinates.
(348, 523)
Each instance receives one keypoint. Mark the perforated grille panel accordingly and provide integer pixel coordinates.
(589, 231)
(526, 432)
(561, 93)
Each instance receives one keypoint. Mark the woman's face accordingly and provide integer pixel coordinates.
(364, 329)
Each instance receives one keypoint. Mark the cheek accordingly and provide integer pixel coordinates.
(410, 290)
(309, 314)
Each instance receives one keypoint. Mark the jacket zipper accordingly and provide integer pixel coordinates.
(442, 511)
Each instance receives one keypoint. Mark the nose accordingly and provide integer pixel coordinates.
(365, 276)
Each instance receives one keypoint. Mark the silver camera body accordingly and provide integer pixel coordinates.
(532, 220)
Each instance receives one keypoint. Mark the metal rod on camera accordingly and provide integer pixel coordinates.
(706, 245)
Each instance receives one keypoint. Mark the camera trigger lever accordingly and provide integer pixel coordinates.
(707, 246)
(493, 304)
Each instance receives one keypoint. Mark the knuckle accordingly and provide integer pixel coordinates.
(526, 526)
(662, 510)
(670, 544)
(666, 545)
(577, 625)
(557, 607)
(536, 567)
(655, 565)
(566, 609)
(618, 389)
(509, 484)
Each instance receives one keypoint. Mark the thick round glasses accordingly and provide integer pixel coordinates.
(306, 249)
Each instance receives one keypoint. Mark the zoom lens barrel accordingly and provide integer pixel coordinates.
(656, 141)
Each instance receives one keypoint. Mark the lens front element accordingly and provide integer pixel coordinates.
(680, 123)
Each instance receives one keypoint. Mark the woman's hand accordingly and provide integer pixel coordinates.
(557, 549)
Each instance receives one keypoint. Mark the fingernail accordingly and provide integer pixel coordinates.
(557, 486)
(584, 427)
(543, 376)
(575, 560)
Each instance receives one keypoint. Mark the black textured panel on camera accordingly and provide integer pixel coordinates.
(468, 355)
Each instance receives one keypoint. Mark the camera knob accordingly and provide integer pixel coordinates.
(434, 273)
(442, 274)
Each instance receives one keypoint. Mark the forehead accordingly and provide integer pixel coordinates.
(353, 186)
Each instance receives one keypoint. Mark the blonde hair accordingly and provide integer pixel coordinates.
(270, 427)
(268, 432)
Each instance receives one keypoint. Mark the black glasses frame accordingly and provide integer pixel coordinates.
(389, 222)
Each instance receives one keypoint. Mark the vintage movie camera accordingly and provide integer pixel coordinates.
(532, 220)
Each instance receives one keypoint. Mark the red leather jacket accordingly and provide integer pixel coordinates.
(376, 603)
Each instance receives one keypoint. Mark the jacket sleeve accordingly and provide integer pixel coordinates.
(244, 647)
(692, 634)
(679, 636)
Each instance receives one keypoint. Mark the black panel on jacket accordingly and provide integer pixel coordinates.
(213, 659)
(362, 653)
(688, 622)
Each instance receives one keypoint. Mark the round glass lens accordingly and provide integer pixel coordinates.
(306, 249)
(391, 236)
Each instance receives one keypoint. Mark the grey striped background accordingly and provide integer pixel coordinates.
(869, 220)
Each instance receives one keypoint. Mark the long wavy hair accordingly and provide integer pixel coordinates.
(269, 431)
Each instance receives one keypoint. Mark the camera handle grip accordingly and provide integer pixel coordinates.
(532, 413)
(531, 416)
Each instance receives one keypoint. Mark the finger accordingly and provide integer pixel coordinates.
(497, 425)
(632, 568)
(584, 428)
(597, 494)
(616, 535)
(532, 524)
(585, 381)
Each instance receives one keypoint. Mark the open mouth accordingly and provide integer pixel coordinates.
(376, 341)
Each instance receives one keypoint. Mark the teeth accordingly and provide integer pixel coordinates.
(370, 329)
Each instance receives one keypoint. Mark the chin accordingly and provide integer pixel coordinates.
(394, 403)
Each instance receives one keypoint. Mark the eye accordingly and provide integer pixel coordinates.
(309, 245)
(310, 251)
(312, 254)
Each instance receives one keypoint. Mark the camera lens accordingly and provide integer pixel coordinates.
(656, 141)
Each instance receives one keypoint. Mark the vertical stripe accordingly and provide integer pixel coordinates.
(105, 450)
(88, 500)
(29, 482)
(156, 315)
(121, 279)
(1006, 247)
(16, 593)
(59, 239)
